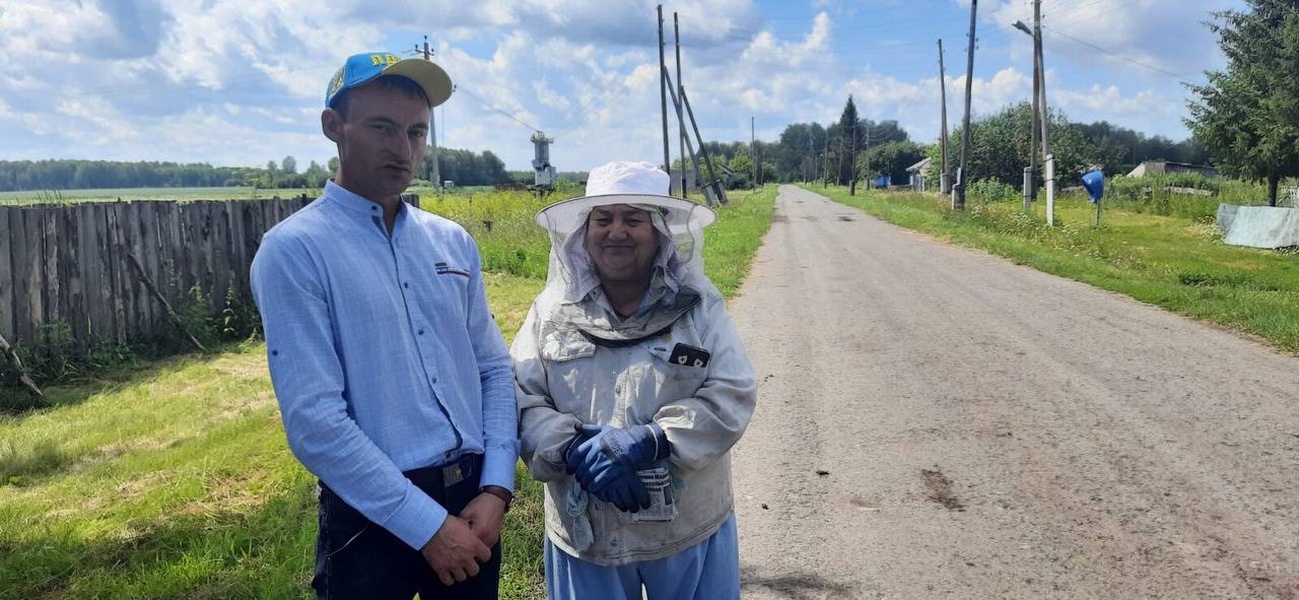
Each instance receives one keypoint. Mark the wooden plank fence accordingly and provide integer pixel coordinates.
(71, 263)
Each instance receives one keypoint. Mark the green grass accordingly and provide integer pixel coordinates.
(730, 245)
(503, 225)
(1179, 263)
(172, 478)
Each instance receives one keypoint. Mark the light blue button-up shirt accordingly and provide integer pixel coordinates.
(384, 354)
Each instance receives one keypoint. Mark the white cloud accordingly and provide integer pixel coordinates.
(548, 97)
(1156, 33)
(179, 80)
(95, 120)
(1146, 110)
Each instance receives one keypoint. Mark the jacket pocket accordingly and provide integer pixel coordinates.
(678, 380)
(563, 345)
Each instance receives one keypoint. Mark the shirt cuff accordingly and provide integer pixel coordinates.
(418, 519)
(498, 469)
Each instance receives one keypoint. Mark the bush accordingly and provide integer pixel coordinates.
(992, 190)
(1187, 195)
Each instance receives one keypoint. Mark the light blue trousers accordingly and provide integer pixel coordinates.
(709, 570)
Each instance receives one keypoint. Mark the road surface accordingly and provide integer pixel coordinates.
(935, 422)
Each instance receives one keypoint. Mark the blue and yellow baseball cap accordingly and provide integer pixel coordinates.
(362, 68)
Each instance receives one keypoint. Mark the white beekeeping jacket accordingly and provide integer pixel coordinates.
(576, 362)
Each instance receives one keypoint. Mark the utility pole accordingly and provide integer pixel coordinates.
(753, 150)
(838, 159)
(958, 191)
(852, 161)
(681, 121)
(1030, 178)
(663, 95)
(432, 123)
(807, 177)
(1047, 157)
(825, 161)
(1030, 172)
(679, 101)
(718, 190)
(944, 185)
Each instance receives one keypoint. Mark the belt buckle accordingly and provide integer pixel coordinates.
(452, 474)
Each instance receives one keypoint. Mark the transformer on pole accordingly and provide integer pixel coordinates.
(544, 171)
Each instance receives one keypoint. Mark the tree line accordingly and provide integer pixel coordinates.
(861, 149)
(840, 152)
(465, 167)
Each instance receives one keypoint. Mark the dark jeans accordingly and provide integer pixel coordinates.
(355, 558)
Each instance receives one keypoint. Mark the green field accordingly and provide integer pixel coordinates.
(172, 478)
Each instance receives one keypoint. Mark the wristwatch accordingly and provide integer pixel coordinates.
(501, 493)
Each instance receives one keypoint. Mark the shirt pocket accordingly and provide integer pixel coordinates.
(677, 380)
(448, 293)
(564, 345)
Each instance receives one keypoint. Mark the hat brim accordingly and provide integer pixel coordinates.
(567, 215)
(427, 75)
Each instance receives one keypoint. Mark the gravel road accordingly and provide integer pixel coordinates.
(935, 422)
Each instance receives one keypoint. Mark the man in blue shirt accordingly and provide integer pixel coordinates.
(393, 381)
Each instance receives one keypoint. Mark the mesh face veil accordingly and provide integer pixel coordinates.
(679, 224)
(574, 298)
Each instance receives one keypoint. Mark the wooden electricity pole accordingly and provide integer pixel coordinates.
(681, 120)
(811, 155)
(663, 95)
(944, 185)
(1047, 158)
(436, 172)
(677, 100)
(958, 191)
(852, 161)
(1030, 193)
(753, 150)
(719, 191)
(1041, 73)
(825, 161)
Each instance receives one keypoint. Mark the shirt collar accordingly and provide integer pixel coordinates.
(355, 203)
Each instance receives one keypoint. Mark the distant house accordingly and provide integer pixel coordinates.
(675, 186)
(1163, 167)
(917, 172)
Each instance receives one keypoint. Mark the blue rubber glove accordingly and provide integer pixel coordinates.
(615, 484)
(638, 446)
(621, 487)
(573, 458)
(606, 462)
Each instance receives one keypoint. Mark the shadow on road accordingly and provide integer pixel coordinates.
(796, 586)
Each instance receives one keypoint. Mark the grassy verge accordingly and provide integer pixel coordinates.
(1179, 263)
(172, 478)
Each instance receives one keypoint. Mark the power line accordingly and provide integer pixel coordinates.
(1066, 6)
(1180, 78)
(462, 88)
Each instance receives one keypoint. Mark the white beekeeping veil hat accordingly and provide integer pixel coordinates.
(679, 222)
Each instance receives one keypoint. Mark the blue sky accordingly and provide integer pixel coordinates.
(241, 82)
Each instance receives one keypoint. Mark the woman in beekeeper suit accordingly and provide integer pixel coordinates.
(633, 386)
